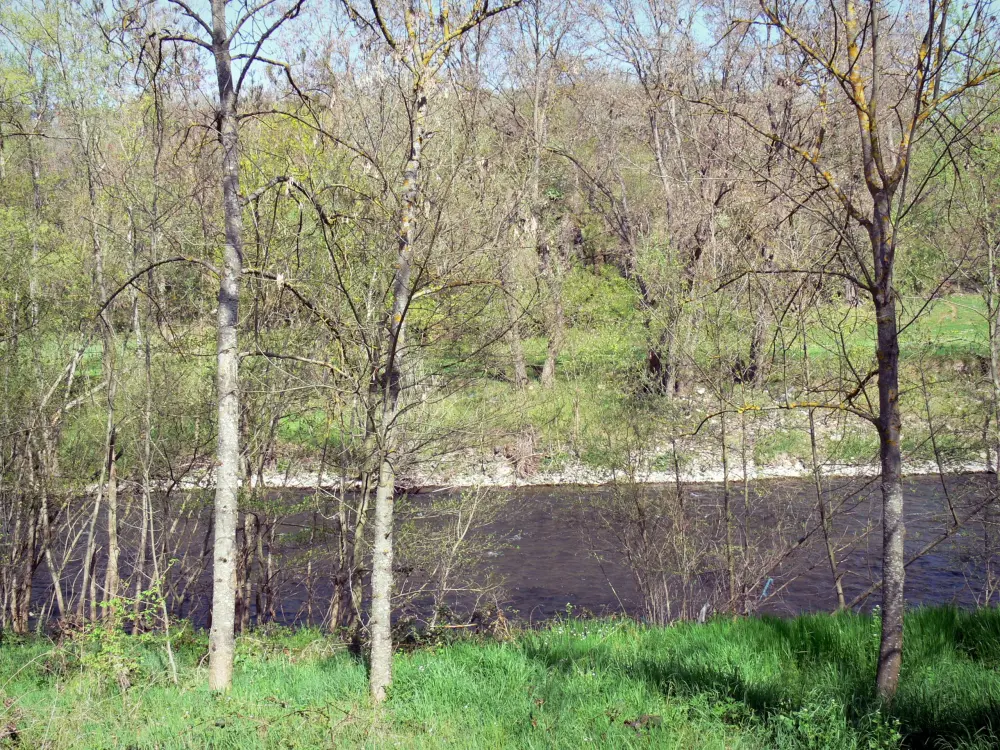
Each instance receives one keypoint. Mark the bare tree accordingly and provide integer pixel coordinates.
(422, 39)
(251, 28)
(657, 42)
(896, 76)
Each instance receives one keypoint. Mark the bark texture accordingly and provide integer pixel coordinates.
(382, 580)
(889, 430)
(381, 615)
(222, 636)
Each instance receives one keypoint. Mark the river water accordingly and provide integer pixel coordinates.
(555, 562)
(552, 555)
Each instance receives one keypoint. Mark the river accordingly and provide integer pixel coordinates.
(553, 565)
(551, 553)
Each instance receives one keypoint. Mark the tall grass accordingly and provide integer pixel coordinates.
(733, 683)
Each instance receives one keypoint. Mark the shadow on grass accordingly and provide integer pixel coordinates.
(949, 693)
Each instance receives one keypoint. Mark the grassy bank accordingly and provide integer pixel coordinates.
(596, 413)
(755, 683)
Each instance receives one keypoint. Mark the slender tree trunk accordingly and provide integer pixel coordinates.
(727, 517)
(889, 429)
(112, 577)
(147, 542)
(139, 571)
(755, 355)
(54, 572)
(22, 585)
(745, 531)
(222, 636)
(36, 192)
(349, 602)
(991, 516)
(661, 360)
(556, 317)
(991, 535)
(514, 321)
(381, 616)
(938, 457)
(90, 556)
(824, 517)
(517, 355)
(145, 354)
(267, 561)
(244, 571)
(111, 572)
(670, 380)
(382, 583)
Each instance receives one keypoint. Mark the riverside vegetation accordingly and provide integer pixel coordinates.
(759, 683)
(366, 247)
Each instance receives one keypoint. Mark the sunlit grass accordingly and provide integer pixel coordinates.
(953, 326)
(599, 390)
(733, 683)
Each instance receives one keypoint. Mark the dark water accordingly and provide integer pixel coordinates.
(554, 563)
(554, 556)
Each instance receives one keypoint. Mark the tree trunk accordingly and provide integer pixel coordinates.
(139, 570)
(727, 518)
(991, 517)
(517, 355)
(824, 517)
(112, 576)
(381, 626)
(661, 365)
(661, 369)
(244, 571)
(991, 536)
(111, 572)
(745, 531)
(514, 321)
(36, 192)
(344, 606)
(556, 318)
(90, 557)
(222, 637)
(381, 616)
(893, 529)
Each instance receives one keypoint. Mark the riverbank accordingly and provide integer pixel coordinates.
(503, 474)
(470, 472)
(733, 683)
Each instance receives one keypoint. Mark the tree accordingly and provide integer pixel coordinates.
(897, 74)
(656, 40)
(543, 32)
(218, 35)
(422, 40)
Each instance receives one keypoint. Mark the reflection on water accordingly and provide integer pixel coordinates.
(554, 558)
(554, 564)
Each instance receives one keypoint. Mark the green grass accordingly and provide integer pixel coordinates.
(774, 444)
(740, 683)
(585, 417)
(950, 327)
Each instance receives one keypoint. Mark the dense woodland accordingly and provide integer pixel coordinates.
(363, 247)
